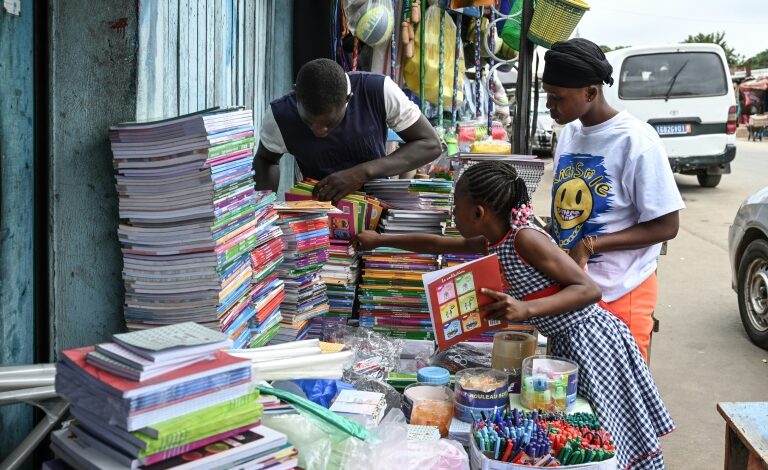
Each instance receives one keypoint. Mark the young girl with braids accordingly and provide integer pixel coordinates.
(492, 212)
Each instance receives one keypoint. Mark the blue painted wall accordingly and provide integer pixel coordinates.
(16, 209)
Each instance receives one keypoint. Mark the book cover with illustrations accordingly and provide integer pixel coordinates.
(454, 299)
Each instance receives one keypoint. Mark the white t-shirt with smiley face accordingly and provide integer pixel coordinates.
(607, 178)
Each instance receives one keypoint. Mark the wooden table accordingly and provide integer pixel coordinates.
(746, 435)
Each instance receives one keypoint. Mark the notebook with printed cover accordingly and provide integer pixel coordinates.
(454, 299)
(173, 341)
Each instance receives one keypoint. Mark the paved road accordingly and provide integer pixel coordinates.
(702, 355)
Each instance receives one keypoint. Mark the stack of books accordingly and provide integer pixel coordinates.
(191, 218)
(415, 206)
(268, 288)
(305, 235)
(392, 297)
(357, 212)
(454, 259)
(340, 275)
(152, 395)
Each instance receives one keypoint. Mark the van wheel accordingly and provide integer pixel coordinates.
(708, 181)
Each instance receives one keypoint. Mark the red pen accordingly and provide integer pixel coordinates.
(508, 451)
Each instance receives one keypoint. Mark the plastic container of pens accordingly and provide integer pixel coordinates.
(549, 383)
(513, 439)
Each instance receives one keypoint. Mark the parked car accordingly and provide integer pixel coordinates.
(685, 92)
(748, 252)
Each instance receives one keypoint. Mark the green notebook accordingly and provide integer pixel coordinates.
(207, 422)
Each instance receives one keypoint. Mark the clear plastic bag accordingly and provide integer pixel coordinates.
(375, 354)
(371, 21)
(432, 59)
(460, 357)
(391, 448)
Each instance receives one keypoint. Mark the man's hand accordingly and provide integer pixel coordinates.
(505, 306)
(367, 240)
(337, 185)
(580, 254)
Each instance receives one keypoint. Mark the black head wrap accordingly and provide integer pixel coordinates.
(576, 63)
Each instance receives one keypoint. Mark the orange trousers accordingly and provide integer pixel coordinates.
(636, 310)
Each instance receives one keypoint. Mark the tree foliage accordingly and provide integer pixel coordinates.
(719, 39)
(759, 61)
(607, 49)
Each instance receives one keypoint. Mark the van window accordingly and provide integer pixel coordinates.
(652, 76)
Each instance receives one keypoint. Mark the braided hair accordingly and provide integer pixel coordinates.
(496, 185)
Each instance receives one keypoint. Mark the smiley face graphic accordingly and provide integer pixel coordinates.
(573, 203)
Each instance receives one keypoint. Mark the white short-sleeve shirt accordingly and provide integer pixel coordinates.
(607, 178)
(402, 113)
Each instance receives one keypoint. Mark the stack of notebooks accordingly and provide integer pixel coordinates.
(190, 220)
(305, 235)
(153, 395)
(392, 297)
(415, 206)
(268, 289)
(357, 212)
(454, 259)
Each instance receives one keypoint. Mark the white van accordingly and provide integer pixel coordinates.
(685, 92)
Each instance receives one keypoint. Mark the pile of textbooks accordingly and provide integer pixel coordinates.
(414, 206)
(305, 237)
(268, 288)
(356, 212)
(340, 275)
(190, 219)
(151, 397)
(392, 297)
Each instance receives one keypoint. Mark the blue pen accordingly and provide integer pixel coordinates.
(496, 451)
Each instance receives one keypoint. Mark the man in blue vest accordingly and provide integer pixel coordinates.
(335, 125)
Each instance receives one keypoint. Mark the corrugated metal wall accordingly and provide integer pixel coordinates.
(196, 54)
(172, 58)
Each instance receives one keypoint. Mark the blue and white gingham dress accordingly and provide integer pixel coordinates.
(612, 374)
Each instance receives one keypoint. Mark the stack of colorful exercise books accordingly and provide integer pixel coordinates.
(305, 237)
(190, 219)
(148, 399)
(268, 288)
(341, 272)
(392, 297)
(414, 206)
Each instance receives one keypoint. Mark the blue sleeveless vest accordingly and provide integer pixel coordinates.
(359, 138)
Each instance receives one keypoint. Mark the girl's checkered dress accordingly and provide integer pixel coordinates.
(612, 374)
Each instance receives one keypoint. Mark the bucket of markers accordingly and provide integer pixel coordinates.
(549, 383)
(479, 391)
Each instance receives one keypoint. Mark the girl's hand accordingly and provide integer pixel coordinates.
(367, 240)
(505, 306)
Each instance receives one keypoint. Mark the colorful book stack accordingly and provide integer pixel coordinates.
(392, 297)
(453, 259)
(340, 273)
(268, 288)
(192, 396)
(305, 235)
(191, 218)
(415, 206)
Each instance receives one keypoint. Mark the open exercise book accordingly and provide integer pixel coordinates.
(454, 299)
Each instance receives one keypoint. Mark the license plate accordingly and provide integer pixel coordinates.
(673, 129)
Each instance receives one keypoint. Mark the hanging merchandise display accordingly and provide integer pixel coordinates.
(510, 32)
(371, 21)
(431, 24)
(555, 20)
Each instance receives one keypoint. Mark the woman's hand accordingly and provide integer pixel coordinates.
(505, 306)
(580, 254)
(367, 240)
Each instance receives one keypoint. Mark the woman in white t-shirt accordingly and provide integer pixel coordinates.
(614, 199)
